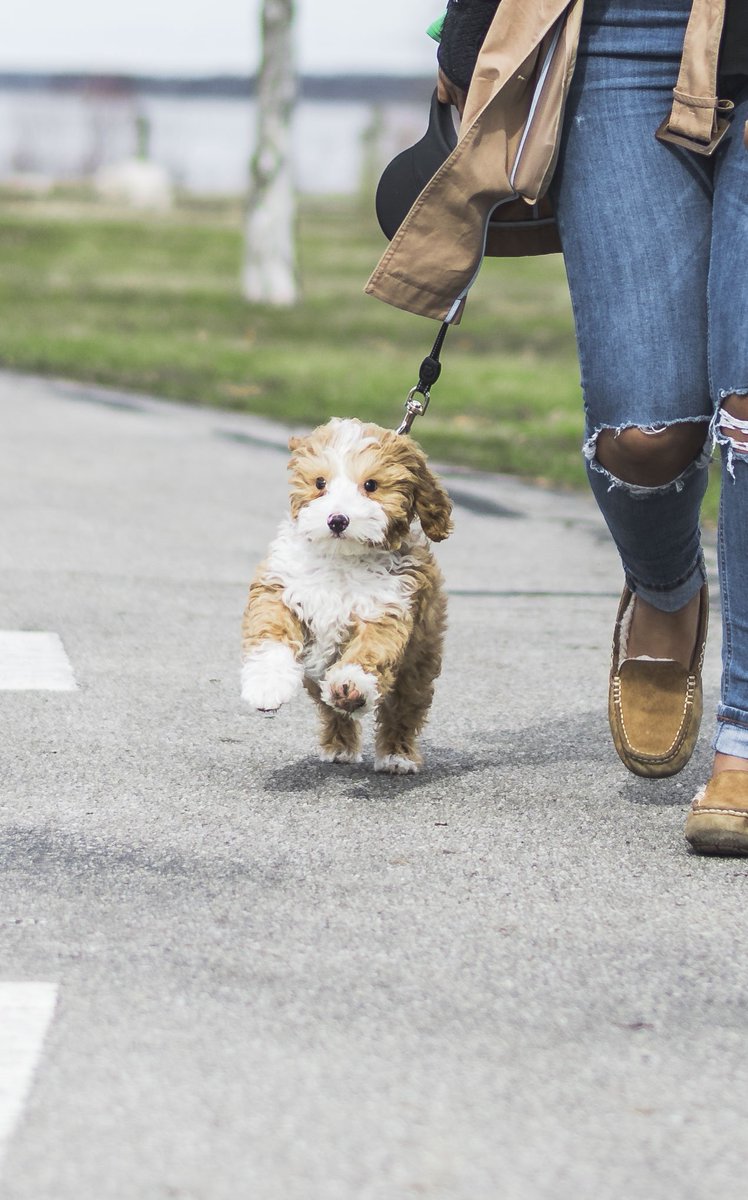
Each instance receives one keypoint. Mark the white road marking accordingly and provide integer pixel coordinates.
(25, 1013)
(34, 662)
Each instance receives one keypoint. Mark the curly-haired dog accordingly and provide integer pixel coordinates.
(350, 601)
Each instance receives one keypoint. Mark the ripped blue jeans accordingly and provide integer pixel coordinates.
(655, 241)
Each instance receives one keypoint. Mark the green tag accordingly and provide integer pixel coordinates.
(435, 29)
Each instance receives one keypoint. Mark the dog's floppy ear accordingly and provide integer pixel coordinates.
(294, 442)
(433, 506)
(432, 503)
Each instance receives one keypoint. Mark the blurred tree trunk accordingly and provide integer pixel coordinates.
(269, 274)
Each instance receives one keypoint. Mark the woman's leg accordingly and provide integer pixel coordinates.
(718, 820)
(728, 316)
(635, 217)
(635, 221)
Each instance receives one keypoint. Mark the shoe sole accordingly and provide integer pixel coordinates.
(712, 833)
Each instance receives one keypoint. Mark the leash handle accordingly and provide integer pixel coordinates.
(418, 397)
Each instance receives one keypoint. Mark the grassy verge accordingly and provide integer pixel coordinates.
(153, 304)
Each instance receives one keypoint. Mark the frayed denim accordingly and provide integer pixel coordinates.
(655, 241)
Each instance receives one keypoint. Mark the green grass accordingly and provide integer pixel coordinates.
(153, 304)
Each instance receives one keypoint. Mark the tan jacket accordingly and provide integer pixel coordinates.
(507, 150)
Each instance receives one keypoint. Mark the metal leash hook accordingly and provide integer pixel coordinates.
(428, 374)
(413, 408)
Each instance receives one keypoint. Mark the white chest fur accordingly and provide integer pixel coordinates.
(330, 588)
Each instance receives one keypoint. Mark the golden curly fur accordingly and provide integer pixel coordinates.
(350, 601)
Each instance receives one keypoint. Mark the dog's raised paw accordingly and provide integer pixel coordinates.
(396, 764)
(270, 677)
(346, 696)
(350, 689)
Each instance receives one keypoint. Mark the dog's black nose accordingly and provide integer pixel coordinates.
(337, 523)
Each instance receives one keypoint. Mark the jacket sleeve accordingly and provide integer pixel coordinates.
(465, 26)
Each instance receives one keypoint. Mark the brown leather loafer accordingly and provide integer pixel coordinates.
(718, 820)
(655, 705)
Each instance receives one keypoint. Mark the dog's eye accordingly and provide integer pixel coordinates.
(320, 483)
(370, 485)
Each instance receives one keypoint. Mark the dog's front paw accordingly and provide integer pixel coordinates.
(396, 764)
(270, 676)
(349, 689)
(340, 756)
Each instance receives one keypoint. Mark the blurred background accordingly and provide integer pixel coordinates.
(187, 209)
(83, 86)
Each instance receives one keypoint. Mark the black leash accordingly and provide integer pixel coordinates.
(419, 396)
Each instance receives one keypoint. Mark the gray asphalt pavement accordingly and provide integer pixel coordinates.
(280, 980)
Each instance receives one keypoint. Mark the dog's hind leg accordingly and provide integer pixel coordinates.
(339, 735)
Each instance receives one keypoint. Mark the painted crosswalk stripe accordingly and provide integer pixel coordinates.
(34, 662)
(25, 1013)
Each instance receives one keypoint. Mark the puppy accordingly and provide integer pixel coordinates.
(349, 601)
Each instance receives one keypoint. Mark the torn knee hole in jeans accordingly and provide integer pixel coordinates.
(702, 459)
(730, 430)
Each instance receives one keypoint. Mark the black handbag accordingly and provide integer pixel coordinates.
(407, 175)
(514, 229)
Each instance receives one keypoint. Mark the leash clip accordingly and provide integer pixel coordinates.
(414, 408)
(428, 373)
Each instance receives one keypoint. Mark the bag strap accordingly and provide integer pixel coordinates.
(697, 119)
